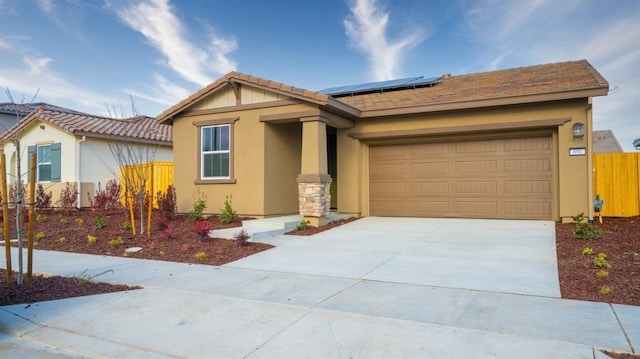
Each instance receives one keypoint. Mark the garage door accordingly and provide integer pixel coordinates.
(498, 178)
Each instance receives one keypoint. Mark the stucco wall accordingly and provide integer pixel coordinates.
(572, 174)
(258, 190)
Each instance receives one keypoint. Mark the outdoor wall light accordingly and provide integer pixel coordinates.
(578, 129)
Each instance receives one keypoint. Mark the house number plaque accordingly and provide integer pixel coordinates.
(577, 151)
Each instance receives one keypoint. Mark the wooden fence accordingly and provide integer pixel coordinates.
(616, 178)
(159, 179)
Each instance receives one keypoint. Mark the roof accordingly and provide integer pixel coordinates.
(24, 109)
(604, 141)
(636, 143)
(564, 80)
(141, 129)
(381, 86)
(540, 83)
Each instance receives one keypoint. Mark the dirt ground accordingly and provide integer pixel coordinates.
(579, 276)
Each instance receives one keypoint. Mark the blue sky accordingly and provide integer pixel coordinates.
(92, 55)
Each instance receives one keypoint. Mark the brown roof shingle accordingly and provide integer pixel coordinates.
(136, 129)
(557, 78)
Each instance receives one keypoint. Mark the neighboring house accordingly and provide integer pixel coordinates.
(636, 143)
(73, 147)
(604, 141)
(503, 144)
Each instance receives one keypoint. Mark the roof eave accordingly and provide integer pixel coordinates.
(123, 138)
(493, 102)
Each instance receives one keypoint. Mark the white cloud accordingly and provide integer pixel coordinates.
(36, 77)
(155, 20)
(367, 28)
(164, 92)
(46, 6)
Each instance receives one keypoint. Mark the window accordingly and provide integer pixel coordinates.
(43, 163)
(47, 162)
(215, 152)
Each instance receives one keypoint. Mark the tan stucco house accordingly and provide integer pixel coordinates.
(513, 143)
(74, 147)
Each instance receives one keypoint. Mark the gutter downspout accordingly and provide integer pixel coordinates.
(590, 169)
(79, 205)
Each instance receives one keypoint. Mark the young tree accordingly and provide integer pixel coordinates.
(19, 186)
(132, 156)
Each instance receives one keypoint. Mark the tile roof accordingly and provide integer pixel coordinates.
(512, 83)
(136, 129)
(604, 141)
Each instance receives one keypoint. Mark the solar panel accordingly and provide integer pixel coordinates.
(380, 86)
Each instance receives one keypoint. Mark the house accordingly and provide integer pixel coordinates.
(636, 143)
(513, 143)
(74, 147)
(604, 141)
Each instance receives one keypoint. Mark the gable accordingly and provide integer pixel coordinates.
(226, 97)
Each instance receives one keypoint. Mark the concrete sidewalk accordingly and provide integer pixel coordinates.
(349, 292)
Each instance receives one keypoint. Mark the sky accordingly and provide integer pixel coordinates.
(124, 57)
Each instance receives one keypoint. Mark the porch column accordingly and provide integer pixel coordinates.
(314, 182)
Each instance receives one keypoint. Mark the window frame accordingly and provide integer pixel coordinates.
(201, 125)
(41, 163)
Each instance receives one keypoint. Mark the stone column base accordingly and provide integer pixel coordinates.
(314, 197)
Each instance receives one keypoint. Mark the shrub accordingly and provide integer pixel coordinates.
(91, 239)
(587, 251)
(40, 218)
(600, 261)
(201, 256)
(605, 290)
(79, 221)
(303, 225)
(64, 220)
(602, 274)
(202, 228)
(167, 232)
(167, 203)
(199, 205)
(99, 222)
(585, 230)
(227, 214)
(62, 239)
(240, 239)
(40, 235)
(43, 199)
(109, 198)
(127, 226)
(68, 197)
(116, 242)
(13, 192)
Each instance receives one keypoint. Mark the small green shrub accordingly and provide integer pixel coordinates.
(227, 214)
(99, 222)
(79, 221)
(62, 239)
(201, 256)
(600, 261)
(585, 230)
(91, 239)
(199, 205)
(40, 218)
(127, 226)
(602, 274)
(64, 220)
(303, 225)
(40, 235)
(116, 242)
(587, 251)
(605, 290)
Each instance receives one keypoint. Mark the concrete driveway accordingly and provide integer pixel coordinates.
(375, 288)
(507, 256)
